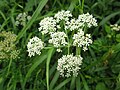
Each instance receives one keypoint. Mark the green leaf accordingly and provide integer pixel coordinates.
(62, 84)
(84, 82)
(118, 37)
(53, 68)
(78, 84)
(2, 14)
(118, 83)
(54, 80)
(101, 86)
(72, 85)
(108, 18)
(3, 3)
(72, 5)
(118, 86)
(116, 47)
(29, 5)
(107, 29)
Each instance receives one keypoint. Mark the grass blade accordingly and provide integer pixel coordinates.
(53, 68)
(84, 82)
(108, 18)
(55, 78)
(50, 52)
(78, 85)
(2, 14)
(72, 85)
(72, 5)
(62, 84)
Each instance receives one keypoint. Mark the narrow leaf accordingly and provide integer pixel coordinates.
(72, 85)
(62, 84)
(78, 85)
(47, 66)
(109, 17)
(55, 78)
(84, 82)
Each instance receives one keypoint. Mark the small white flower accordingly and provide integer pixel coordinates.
(58, 39)
(35, 45)
(69, 65)
(62, 15)
(47, 25)
(22, 19)
(59, 50)
(81, 40)
(28, 18)
(115, 27)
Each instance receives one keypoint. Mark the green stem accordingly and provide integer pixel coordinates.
(68, 46)
(82, 6)
(43, 37)
(78, 50)
(9, 67)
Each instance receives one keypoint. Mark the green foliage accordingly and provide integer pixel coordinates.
(101, 63)
(100, 86)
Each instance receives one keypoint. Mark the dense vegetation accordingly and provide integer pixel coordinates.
(100, 68)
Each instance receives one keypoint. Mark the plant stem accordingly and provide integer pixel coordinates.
(68, 46)
(81, 2)
(78, 50)
(43, 37)
(82, 6)
(9, 67)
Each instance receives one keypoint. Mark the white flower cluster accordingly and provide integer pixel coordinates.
(62, 15)
(22, 18)
(83, 20)
(52, 26)
(35, 45)
(82, 40)
(69, 65)
(115, 27)
(87, 19)
(74, 24)
(47, 25)
(58, 39)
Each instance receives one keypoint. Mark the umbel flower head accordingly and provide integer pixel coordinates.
(22, 19)
(7, 46)
(83, 20)
(47, 25)
(73, 24)
(82, 40)
(62, 15)
(87, 19)
(58, 39)
(69, 65)
(35, 45)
